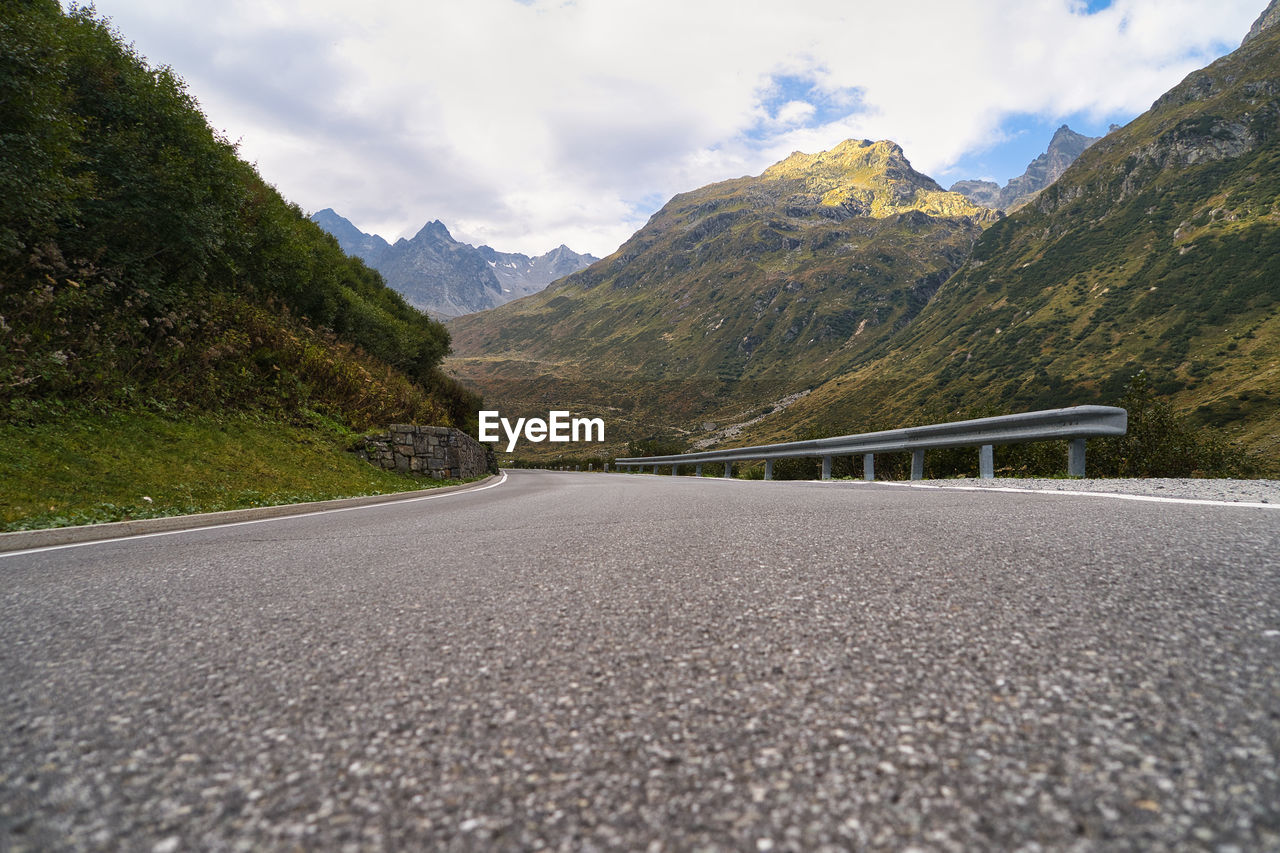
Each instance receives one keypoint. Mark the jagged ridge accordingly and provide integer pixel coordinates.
(1065, 146)
(445, 278)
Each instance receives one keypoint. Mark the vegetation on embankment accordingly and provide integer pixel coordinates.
(144, 264)
(88, 469)
(149, 274)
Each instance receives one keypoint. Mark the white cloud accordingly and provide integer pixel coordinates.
(528, 124)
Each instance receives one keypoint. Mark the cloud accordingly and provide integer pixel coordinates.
(528, 124)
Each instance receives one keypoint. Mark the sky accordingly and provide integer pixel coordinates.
(525, 124)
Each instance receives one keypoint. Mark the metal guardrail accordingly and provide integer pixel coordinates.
(1074, 424)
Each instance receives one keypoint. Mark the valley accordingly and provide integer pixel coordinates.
(851, 276)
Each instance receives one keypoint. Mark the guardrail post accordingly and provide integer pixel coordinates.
(697, 470)
(675, 470)
(917, 464)
(655, 469)
(728, 470)
(826, 467)
(1075, 457)
(868, 466)
(768, 469)
(986, 462)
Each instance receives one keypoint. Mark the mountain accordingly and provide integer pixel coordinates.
(1065, 146)
(1158, 250)
(438, 274)
(843, 291)
(446, 278)
(1269, 17)
(521, 275)
(745, 289)
(353, 241)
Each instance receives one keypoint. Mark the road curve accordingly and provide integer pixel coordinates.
(579, 661)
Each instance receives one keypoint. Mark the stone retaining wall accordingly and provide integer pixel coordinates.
(444, 453)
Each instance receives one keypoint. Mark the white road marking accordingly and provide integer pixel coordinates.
(390, 500)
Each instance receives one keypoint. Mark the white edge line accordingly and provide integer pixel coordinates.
(130, 537)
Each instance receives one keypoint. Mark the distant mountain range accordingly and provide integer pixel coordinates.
(1064, 148)
(844, 290)
(448, 279)
(445, 278)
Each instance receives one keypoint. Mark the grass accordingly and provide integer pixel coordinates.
(89, 469)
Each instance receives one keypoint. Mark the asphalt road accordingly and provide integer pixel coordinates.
(582, 661)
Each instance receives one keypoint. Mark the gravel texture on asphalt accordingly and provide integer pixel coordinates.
(580, 661)
(1253, 491)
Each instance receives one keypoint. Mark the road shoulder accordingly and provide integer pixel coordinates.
(22, 540)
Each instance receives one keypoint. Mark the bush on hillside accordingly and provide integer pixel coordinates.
(143, 263)
(1161, 443)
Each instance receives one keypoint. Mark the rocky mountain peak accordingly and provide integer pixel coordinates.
(1065, 136)
(353, 241)
(435, 229)
(865, 178)
(852, 159)
(437, 274)
(1269, 17)
(1065, 146)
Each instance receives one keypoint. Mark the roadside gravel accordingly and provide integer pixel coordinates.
(1235, 491)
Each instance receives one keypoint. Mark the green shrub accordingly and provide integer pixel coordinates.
(1160, 443)
(142, 263)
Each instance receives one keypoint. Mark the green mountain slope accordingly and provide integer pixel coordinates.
(1158, 250)
(731, 295)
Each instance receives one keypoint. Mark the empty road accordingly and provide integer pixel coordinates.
(587, 661)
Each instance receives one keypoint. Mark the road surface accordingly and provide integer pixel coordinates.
(587, 661)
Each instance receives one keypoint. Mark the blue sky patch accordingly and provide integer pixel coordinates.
(783, 91)
(1092, 7)
(1026, 138)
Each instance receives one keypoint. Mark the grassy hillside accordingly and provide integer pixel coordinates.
(144, 267)
(1157, 251)
(88, 468)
